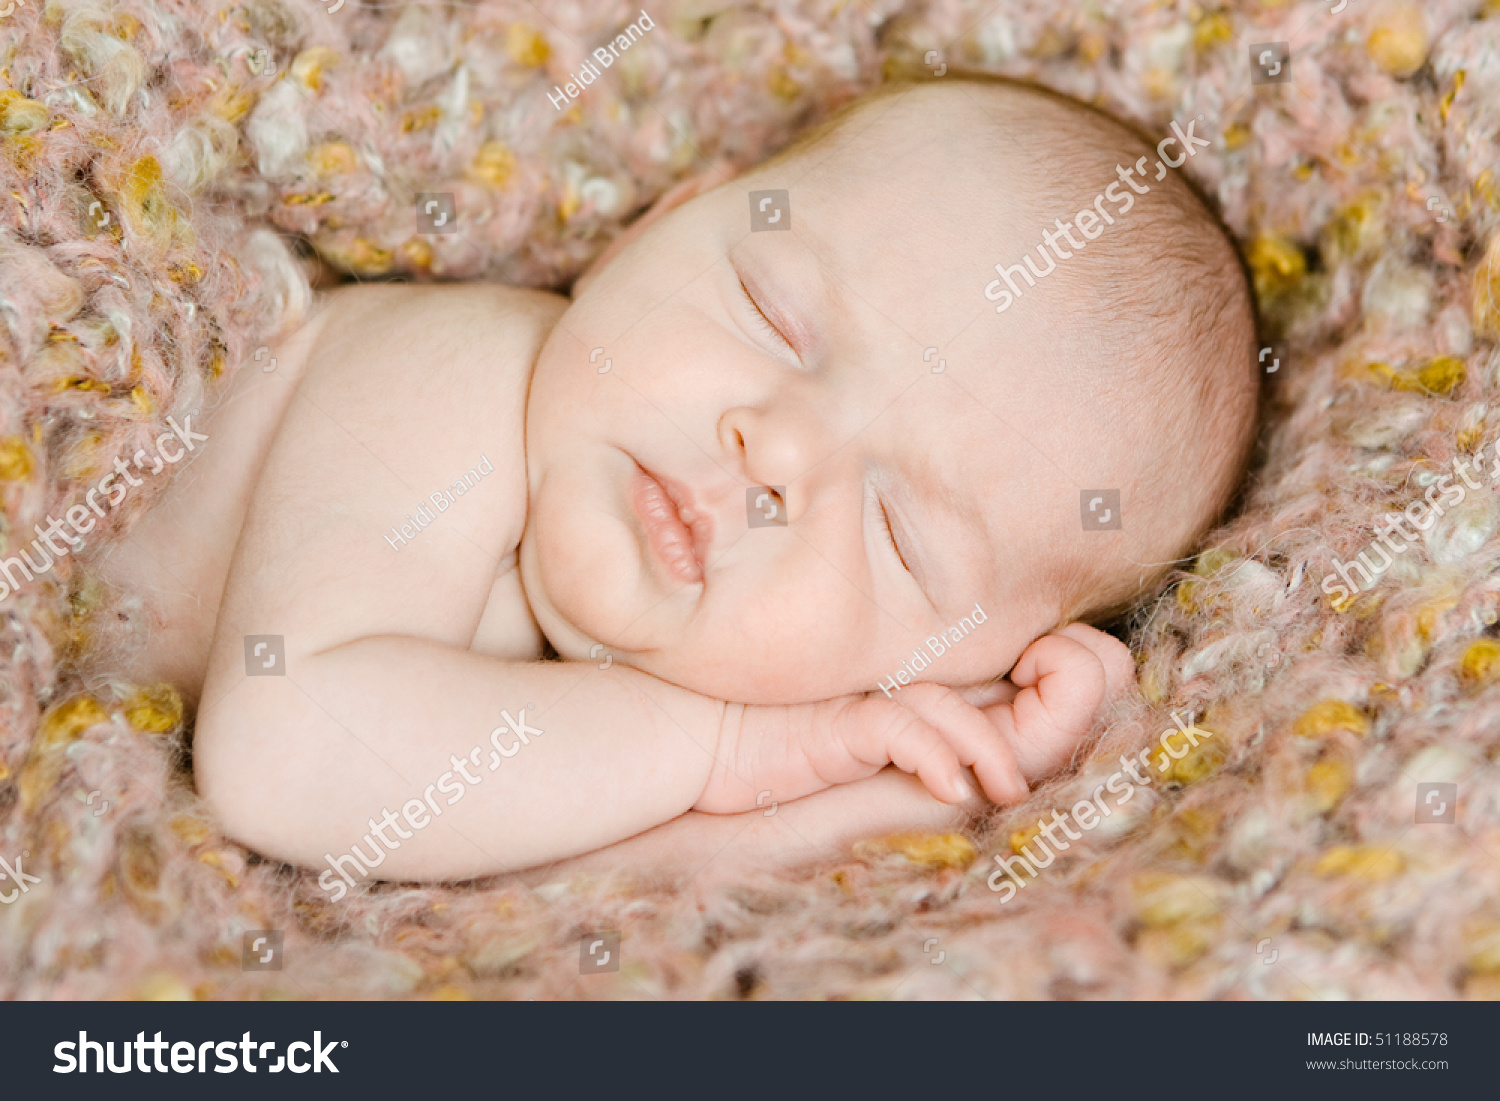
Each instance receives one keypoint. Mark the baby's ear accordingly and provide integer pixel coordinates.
(719, 172)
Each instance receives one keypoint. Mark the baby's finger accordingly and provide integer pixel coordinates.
(987, 695)
(1119, 665)
(1066, 677)
(913, 745)
(973, 738)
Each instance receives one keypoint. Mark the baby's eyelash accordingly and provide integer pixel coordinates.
(764, 321)
(890, 534)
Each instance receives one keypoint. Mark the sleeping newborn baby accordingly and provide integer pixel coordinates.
(802, 483)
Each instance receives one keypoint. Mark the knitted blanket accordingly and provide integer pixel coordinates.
(1317, 814)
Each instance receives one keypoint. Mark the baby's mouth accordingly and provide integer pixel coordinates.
(678, 532)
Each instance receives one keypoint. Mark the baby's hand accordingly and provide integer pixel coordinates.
(1054, 694)
(785, 752)
(1008, 733)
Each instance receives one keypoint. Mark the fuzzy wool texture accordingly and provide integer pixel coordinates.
(160, 158)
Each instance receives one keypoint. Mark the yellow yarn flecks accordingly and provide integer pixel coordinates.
(4, 771)
(141, 398)
(15, 459)
(1439, 375)
(931, 850)
(333, 158)
(87, 385)
(526, 46)
(782, 86)
(1236, 134)
(232, 104)
(1192, 596)
(1212, 30)
(421, 119)
(1487, 291)
(86, 599)
(1482, 947)
(19, 115)
(1485, 188)
(1447, 104)
(144, 203)
(1161, 898)
(62, 724)
(1187, 596)
(162, 987)
(1194, 763)
(1430, 615)
(1156, 683)
(308, 66)
(569, 203)
(1277, 264)
(1370, 862)
(1022, 837)
(156, 709)
(1361, 606)
(1327, 716)
(1159, 83)
(366, 258)
(192, 831)
(1195, 829)
(1480, 665)
(1179, 945)
(1213, 560)
(1356, 228)
(450, 993)
(1399, 43)
(1091, 47)
(494, 164)
(1328, 782)
(216, 861)
(67, 721)
(1049, 44)
(417, 254)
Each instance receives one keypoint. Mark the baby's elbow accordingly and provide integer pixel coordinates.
(239, 776)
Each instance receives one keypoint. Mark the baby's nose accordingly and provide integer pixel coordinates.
(773, 447)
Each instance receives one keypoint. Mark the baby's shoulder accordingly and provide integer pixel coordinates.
(498, 320)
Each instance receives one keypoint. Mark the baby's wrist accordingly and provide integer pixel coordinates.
(716, 796)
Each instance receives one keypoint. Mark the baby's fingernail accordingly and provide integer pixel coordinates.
(965, 792)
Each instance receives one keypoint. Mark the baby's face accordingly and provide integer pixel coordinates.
(910, 486)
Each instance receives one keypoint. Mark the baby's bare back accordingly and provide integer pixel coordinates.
(369, 340)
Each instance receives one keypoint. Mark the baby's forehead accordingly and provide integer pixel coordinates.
(914, 197)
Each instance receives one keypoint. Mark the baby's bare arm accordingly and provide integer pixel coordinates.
(299, 766)
(379, 699)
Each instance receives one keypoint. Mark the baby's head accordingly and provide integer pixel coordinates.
(744, 393)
